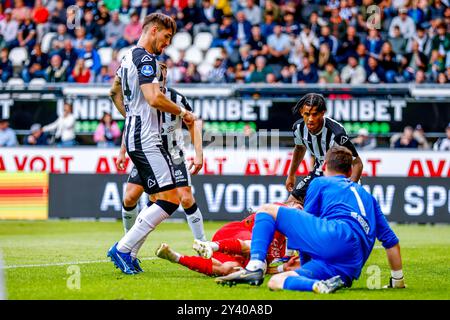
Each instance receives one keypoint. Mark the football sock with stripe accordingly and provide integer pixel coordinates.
(146, 222)
(195, 220)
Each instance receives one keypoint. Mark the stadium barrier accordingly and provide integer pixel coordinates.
(381, 110)
(411, 200)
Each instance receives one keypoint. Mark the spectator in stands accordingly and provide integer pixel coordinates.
(7, 135)
(420, 77)
(246, 58)
(91, 57)
(114, 30)
(68, 55)
(316, 23)
(308, 74)
(388, 62)
(131, 33)
(80, 73)
(442, 78)
(107, 131)
(307, 38)
(412, 62)
(324, 56)
(58, 15)
(279, 45)
(268, 25)
(26, 36)
(80, 38)
(174, 74)
(191, 16)
(57, 42)
(397, 41)
(273, 8)
(9, 28)
(257, 43)
(441, 41)
(210, 18)
(290, 26)
(102, 16)
(259, 72)
(443, 144)
(93, 31)
(20, 12)
(169, 9)
(114, 64)
(374, 72)
(64, 127)
(40, 16)
(253, 12)
(37, 137)
(103, 76)
(242, 29)
(373, 42)
(191, 75)
(348, 45)
(404, 22)
(337, 24)
(6, 67)
(364, 141)
(217, 73)
(422, 38)
(56, 71)
(420, 136)
(329, 75)
(328, 38)
(406, 140)
(436, 65)
(36, 66)
(353, 72)
(125, 10)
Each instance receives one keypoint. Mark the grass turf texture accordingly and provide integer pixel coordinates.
(425, 251)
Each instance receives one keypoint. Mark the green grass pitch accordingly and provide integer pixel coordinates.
(39, 259)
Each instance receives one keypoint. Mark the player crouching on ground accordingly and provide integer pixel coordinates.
(335, 234)
(229, 250)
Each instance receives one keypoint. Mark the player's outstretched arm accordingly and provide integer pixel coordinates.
(297, 157)
(195, 131)
(395, 262)
(158, 100)
(115, 93)
(357, 168)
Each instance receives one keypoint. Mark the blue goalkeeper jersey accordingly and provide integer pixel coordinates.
(339, 198)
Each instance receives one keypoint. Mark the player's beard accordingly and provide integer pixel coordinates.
(155, 49)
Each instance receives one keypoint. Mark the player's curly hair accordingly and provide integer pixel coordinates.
(310, 100)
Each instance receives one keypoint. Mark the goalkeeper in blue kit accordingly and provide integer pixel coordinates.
(335, 234)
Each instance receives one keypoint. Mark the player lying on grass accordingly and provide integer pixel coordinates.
(335, 234)
(173, 142)
(228, 250)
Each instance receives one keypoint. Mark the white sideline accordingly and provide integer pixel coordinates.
(62, 263)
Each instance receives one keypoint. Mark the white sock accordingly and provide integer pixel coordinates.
(254, 265)
(137, 247)
(195, 222)
(397, 274)
(146, 222)
(128, 218)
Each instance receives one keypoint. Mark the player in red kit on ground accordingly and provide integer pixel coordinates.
(228, 250)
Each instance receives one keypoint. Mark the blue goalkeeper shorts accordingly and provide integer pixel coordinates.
(332, 245)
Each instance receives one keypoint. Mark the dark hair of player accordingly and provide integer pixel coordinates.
(339, 159)
(161, 20)
(310, 100)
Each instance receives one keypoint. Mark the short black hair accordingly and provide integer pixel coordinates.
(310, 100)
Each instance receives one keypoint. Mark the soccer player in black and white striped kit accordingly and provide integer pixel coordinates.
(316, 133)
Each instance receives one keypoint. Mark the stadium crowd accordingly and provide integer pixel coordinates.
(271, 41)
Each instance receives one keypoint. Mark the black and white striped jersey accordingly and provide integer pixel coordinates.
(332, 133)
(143, 122)
(171, 131)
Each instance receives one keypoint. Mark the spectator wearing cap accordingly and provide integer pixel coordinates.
(404, 22)
(36, 137)
(364, 141)
(114, 30)
(64, 127)
(107, 131)
(35, 68)
(6, 67)
(7, 135)
(443, 144)
(9, 28)
(253, 12)
(353, 73)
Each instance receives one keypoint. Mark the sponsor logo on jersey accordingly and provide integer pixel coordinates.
(133, 173)
(147, 70)
(146, 58)
(344, 139)
(178, 173)
(170, 129)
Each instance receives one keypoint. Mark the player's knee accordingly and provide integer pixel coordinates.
(130, 199)
(186, 200)
(276, 282)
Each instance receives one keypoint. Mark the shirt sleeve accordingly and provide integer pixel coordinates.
(384, 232)
(186, 104)
(342, 139)
(313, 197)
(297, 138)
(145, 65)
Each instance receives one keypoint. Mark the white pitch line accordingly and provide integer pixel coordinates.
(62, 263)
